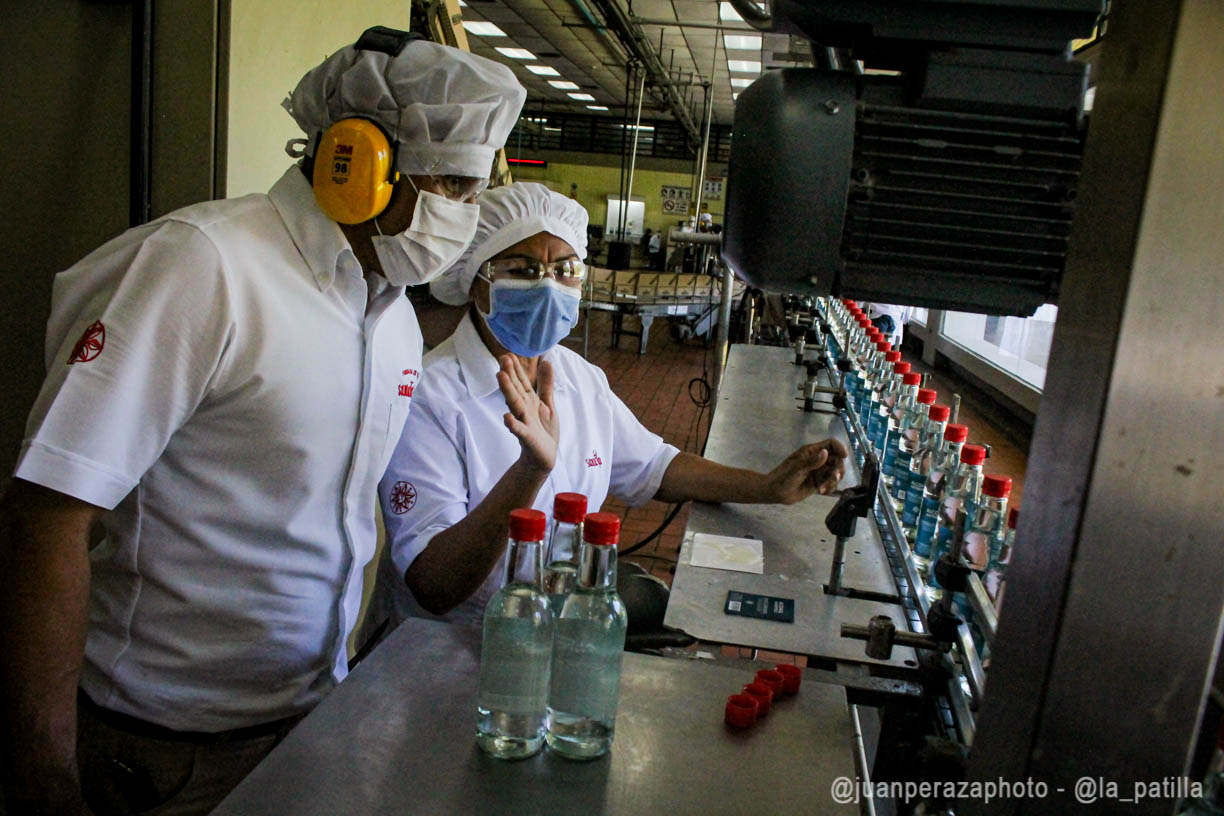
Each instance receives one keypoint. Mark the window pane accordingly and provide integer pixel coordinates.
(1018, 345)
(919, 316)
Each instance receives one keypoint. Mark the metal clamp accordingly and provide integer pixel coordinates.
(882, 634)
(853, 504)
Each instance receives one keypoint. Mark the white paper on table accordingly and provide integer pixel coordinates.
(727, 552)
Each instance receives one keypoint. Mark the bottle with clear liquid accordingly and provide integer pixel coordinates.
(516, 652)
(588, 648)
(902, 407)
(963, 492)
(908, 436)
(930, 444)
(870, 376)
(879, 382)
(857, 380)
(564, 542)
(942, 464)
(877, 430)
(984, 532)
(996, 573)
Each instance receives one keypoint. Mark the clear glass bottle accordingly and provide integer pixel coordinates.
(877, 430)
(902, 407)
(909, 429)
(963, 492)
(516, 653)
(588, 648)
(984, 532)
(879, 382)
(564, 542)
(944, 463)
(996, 573)
(930, 444)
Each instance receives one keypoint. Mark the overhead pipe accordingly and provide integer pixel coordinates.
(753, 15)
(692, 24)
(140, 195)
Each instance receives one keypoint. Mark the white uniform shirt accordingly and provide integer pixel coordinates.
(900, 316)
(223, 381)
(455, 448)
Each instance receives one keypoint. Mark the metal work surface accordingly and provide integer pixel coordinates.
(758, 421)
(398, 736)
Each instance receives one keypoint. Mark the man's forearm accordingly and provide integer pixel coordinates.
(458, 560)
(44, 591)
(693, 478)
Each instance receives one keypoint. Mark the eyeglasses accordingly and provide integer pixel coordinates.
(458, 188)
(569, 272)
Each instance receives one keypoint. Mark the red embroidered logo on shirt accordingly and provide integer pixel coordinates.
(594, 461)
(405, 389)
(403, 497)
(90, 345)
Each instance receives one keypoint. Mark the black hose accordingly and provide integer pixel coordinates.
(666, 521)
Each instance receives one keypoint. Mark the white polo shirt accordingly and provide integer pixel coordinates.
(455, 447)
(223, 381)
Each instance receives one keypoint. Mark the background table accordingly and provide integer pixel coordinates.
(398, 737)
(757, 422)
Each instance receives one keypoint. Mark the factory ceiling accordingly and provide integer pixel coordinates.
(571, 55)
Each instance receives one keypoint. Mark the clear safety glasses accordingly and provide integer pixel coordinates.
(456, 188)
(569, 272)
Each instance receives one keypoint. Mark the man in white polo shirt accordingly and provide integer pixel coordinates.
(506, 418)
(225, 387)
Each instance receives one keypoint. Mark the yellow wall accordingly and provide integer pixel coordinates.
(272, 44)
(596, 183)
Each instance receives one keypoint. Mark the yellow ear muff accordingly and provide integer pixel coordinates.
(353, 171)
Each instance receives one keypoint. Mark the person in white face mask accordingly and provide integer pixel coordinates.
(225, 387)
(507, 418)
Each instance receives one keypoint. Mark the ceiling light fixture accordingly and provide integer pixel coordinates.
(744, 66)
(597, 107)
(740, 82)
(516, 53)
(543, 70)
(482, 29)
(563, 84)
(742, 42)
(727, 12)
(581, 97)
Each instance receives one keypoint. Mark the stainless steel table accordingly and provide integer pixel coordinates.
(758, 421)
(398, 737)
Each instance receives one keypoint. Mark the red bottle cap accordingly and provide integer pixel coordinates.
(939, 413)
(763, 695)
(792, 676)
(956, 432)
(997, 486)
(601, 528)
(910, 377)
(1013, 516)
(863, 321)
(926, 396)
(902, 368)
(741, 710)
(527, 524)
(874, 334)
(772, 679)
(569, 507)
(973, 454)
(892, 356)
(885, 346)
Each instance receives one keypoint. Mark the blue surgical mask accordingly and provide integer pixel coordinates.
(530, 317)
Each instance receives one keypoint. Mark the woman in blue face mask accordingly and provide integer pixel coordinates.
(504, 416)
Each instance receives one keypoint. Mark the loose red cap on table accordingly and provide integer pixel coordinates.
(997, 486)
(956, 432)
(973, 454)
(926, 396)
(792, 676)
(910, 377)
(885, 346)
(569, 507)
(770, 678)
(601, 528)
(741, 710)
(763, 695)
(939, 413)
(527, 524)
(892, 356)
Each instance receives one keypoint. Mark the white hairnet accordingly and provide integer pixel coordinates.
(508, 215)
(449, 110)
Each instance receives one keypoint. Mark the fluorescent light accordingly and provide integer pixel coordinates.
(727, 12)
(482, 29)
(516, 53)
(581, 97)
(740, 82)
(642, 128)
(597, 107)
(563, 84)
(742, 42)
(543, 70)
(744, 66)
(553, 129)
(735, 96)
(462, 4)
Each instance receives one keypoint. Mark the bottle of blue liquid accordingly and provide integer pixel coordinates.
(516, 653)
(930, 444)
(564, 542)
(588, 648)
(963, 492)
(944, 463)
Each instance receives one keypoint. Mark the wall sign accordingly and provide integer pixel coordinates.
(675, 199)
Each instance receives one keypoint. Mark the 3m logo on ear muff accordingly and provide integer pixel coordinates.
(354, 170)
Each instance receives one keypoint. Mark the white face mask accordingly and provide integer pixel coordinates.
(440, 231)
